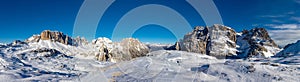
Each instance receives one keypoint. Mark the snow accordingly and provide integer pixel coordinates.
(182, 66)
(156, 47)
(53, 61)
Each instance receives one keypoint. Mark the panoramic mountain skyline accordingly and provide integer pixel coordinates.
(21, 18)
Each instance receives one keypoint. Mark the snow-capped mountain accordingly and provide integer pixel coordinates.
(256, 43)
(290, 50)
(222, 41)
(53, 56)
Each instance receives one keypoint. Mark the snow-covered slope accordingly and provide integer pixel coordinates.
(290, 50)
(290, 54)
(47, 60)
(180, 66)
(54, 61)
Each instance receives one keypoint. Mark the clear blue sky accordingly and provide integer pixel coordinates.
(21, 19)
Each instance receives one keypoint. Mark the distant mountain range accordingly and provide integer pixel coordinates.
(54, 56)
(218, 40)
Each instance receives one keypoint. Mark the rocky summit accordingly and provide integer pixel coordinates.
(218, 40)
(256, 43)
(50, 57)
(222, 41)
(52, 36)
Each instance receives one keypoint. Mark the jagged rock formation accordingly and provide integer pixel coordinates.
(52, 36)
(195, 41)
(222, 41)
(256, 43)
(108, 51)
(217, 40)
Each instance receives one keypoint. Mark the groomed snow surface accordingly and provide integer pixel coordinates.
(51, 61)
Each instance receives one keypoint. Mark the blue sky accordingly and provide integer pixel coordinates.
(21, 19)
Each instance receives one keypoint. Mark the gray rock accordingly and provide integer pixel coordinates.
(257, 40)
(217, 40)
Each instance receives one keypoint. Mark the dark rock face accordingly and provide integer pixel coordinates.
(195, 41)
(221, 41)
(52, 36)
(217, 40)
(257, 42)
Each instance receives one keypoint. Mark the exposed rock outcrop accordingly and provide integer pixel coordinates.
(52, 36)
(256, 43)
(217, 40)
(222, 41)
(195, 41)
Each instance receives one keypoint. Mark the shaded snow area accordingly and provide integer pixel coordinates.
(51, 61)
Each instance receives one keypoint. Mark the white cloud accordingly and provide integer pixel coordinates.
(285, 34)
(272, 16)
(286, 26)
(277, 21)
(296, 19)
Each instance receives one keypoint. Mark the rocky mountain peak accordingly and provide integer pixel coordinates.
(256, 43)
(195, 41)
(52, 36)
(222, 41)
(217, 40)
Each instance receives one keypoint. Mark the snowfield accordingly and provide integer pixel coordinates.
(53, 61)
